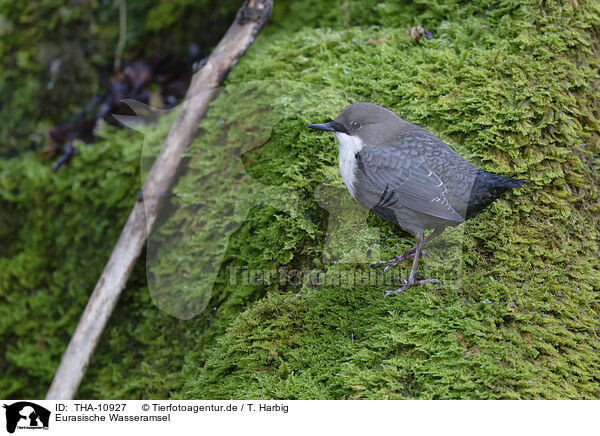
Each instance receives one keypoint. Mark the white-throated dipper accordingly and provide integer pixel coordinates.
(408, 176)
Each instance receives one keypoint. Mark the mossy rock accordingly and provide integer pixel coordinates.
(512, 87)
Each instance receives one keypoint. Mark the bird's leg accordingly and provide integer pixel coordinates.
(412, 278)
(413, 271)
(409, 254)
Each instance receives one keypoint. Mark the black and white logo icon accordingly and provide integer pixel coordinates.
(26, 415)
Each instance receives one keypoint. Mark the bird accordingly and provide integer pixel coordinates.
(408, 176)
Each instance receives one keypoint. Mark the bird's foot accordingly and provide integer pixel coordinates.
(410, 254)
(410, 284)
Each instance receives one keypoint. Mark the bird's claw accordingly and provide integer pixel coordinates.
(397, 291)
(388, 263)
(396, 260)
(408, 285)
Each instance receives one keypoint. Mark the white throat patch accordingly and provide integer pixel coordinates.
(348, 147)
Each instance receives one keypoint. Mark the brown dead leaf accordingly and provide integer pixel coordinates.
(378, 40)
(462, 339)
(417, 32)
(473, 351)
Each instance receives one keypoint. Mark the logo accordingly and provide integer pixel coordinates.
(26, 415)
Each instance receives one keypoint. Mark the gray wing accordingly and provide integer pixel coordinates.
(392, 178)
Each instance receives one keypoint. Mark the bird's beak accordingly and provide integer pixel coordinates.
(325, 126)
(332, 126)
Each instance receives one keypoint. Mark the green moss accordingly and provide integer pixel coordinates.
(512, 86)
(60, 228)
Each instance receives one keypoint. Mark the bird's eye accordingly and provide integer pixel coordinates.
(355, 125)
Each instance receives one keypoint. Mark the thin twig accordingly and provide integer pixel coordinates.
(122, 36)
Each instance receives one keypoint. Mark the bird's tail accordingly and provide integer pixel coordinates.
(487, 188)
(509, 182)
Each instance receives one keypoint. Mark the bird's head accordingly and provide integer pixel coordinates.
(370, 123)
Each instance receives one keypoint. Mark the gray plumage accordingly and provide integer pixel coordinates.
(408, 176)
